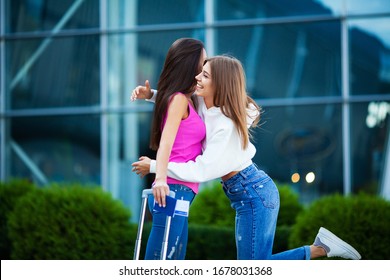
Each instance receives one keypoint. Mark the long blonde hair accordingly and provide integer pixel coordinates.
(229, 82)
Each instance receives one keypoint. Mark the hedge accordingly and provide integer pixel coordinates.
(10, 193)
(361, 220)
(212, 207)
(72, 222)
(79, 222)
(205, 242)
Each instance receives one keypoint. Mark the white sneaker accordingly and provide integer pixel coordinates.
(334, 246)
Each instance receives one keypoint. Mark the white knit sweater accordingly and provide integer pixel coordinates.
(222, 149)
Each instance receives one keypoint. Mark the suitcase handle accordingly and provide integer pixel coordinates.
(137, 248)
(147, 192)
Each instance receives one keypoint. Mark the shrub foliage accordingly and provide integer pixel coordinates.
(70, 223)
(361, 220)
(10, 193)
(79, 222)
(211, 208)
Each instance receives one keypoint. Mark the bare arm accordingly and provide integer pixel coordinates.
(177, 110)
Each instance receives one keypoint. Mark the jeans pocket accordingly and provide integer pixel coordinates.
(268, 193)
(234, 192)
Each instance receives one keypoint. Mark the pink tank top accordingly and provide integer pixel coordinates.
(188, 143)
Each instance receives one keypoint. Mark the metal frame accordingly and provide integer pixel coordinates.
(346, 131)
(103, 97)
(2, 94)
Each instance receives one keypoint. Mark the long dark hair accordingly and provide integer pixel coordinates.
(178, 75)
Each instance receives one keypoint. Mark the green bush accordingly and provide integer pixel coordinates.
(70, 223)
(207, 242)
(212, 207)
(361, 220)
(281, 238)
(290, 206)
(10, 193)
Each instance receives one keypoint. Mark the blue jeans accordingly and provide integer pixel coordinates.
(255, 198)
(178, 233)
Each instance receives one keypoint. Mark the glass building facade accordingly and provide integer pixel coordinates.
(320, 69)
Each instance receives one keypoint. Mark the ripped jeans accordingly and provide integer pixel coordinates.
(255, 198)
(178, 233)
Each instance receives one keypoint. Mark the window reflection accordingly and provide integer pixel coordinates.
(287, 60)
(370, 132)
(365, 7)
(30, 15)
(53, 149)
(377, 114)
(356, 6)
(370, 56)
(237, 9)
(60, 72)
(302, 146)
(170, 11)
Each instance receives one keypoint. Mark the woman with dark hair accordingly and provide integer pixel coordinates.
(177, 135)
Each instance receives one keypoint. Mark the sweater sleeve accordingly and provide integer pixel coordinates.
(154, 96)
(216, 160)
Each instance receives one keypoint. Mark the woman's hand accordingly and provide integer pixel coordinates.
(160, 191)
(141, 167)
(142, 92)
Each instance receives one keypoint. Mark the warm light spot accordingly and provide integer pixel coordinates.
(295, 178)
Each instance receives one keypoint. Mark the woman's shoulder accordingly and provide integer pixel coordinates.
(179, 97)
(178, 104)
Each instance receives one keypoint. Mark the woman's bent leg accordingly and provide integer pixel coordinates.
(256, 200)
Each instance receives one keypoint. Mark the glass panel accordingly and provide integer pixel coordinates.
(237, 9)
(365, 7)
(2, 22)
(52, 149)
(287, 60)
(170, 11)
(120, 13)
(370, 133)
(53, 72)
(127, 139)
(370, 56)
(335, 7)
(305, 141)
(33, 15)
